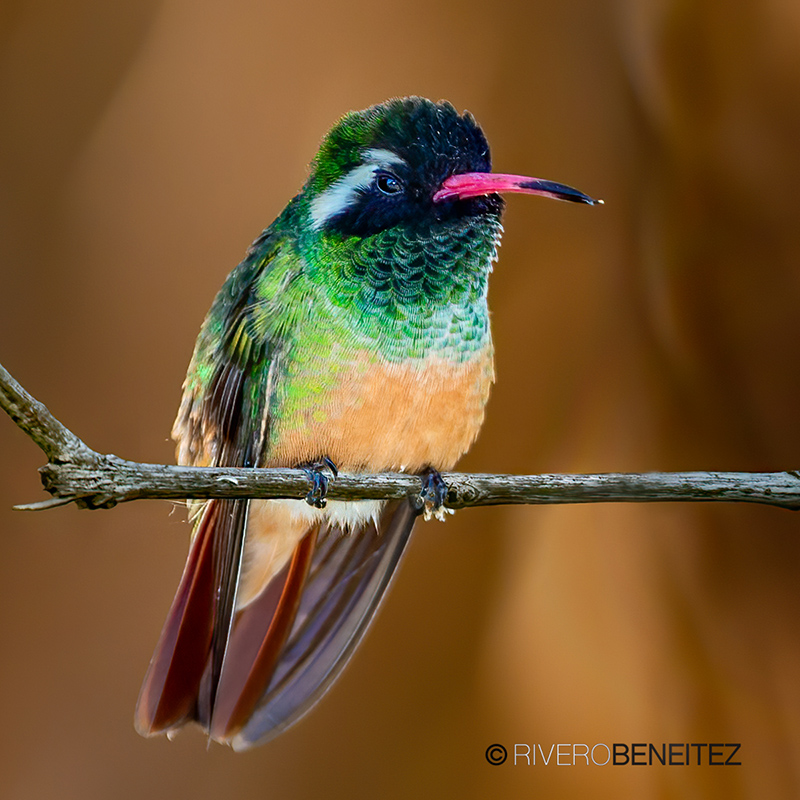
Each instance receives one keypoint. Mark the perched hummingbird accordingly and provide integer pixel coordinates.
(354, 335)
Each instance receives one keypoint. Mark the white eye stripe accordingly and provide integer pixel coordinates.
(383, 158)
(341, 194)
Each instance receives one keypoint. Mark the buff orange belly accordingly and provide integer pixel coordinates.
(407, 415)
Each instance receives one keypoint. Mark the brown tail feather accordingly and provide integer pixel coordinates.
(169, 692)
(245, 676)
(285, 647)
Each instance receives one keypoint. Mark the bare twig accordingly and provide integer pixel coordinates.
(76, 473)
(58, 443)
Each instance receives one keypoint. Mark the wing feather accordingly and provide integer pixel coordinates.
(348, 578)
(220, 422)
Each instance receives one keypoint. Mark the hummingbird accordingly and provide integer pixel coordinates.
(353, 336)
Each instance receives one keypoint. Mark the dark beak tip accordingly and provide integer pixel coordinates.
(474, 184)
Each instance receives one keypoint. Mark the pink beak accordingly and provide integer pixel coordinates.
(477, 184)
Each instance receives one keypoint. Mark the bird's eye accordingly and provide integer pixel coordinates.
(389, 184)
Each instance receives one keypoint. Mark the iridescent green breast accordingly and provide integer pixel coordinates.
(411, 290)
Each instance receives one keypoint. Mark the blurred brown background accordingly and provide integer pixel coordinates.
(144, 144)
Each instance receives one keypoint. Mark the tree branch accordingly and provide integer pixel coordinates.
(76, 473)
(58, 443)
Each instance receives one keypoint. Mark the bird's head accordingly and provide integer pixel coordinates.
(401, 205)
(410, 162)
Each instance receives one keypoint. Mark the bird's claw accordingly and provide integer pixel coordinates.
(319, 481)
(432, 497)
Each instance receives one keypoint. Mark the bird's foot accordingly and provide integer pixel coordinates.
(319, 480)
(433, 495)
